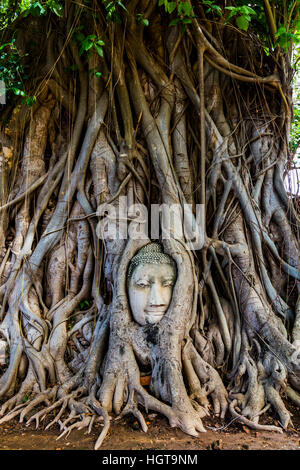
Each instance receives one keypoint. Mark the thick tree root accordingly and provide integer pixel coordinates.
(165, 120)
(251, 424)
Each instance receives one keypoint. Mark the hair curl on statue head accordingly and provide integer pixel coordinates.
(150, 254)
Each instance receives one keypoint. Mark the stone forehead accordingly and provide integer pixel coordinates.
(150, 254)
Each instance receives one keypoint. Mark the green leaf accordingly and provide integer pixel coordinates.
(247, 10)
(231, 15)
(171, 7)
(187, 8)
(86, 45)
(37, 9)
(55, 7)
(18, 92)
(244, 17)
(145, 22)
(180, 8)
(122, 6)
(98, 74)
(297, 25)
(186, 21)
(215, 8)
(242, 22)
(174, 22)
(280, 31)
(30, 100)
(99, 50)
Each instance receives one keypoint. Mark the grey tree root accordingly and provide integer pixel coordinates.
(229, 342)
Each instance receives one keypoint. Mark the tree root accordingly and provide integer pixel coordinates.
(229, 159)
(132, 408)
(251, 424)
(19, 410)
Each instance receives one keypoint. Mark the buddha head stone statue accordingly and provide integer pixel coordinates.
(150, 279)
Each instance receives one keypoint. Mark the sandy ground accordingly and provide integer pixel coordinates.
(127, 435)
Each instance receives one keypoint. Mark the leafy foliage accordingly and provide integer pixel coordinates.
(243, 15)
(142, 20)
(12, 73)
(184, 11)
(112, 10)
(89, 42)
(276, 26)
(41, 8)
(212, 7)
(295, 132)
(11, 70)
(294, 142)
(9, 11)
(285, 38)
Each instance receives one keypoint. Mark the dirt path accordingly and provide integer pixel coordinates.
(126, 435)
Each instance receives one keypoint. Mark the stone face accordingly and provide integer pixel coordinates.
(150, 290)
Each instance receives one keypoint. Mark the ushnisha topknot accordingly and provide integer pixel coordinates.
(150, 254)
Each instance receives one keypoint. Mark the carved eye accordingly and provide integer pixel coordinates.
(142, 284)
(168, 283)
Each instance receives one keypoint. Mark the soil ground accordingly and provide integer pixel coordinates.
(127, 435)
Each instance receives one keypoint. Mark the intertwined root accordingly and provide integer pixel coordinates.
(120, 390)
(229, 342)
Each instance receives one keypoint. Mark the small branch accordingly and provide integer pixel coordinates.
(270, 19)
(272, 80)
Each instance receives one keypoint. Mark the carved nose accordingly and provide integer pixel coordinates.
(156, 299)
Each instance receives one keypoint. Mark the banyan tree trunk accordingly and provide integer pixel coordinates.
(200, 118)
